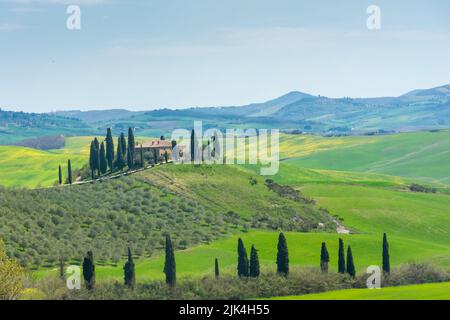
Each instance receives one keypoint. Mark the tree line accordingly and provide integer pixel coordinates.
(105, 157)
(246, 268)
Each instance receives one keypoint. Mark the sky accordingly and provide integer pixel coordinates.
(149, 54)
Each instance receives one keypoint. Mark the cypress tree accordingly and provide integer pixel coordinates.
(194, 145)
(142, 158)
(324, 258)
(129, 273)
(120, 162)
(155, 156)
(386, 260)
(243, 265)
(110, 150)
(97, 156)
(69, 172)
(216, 268)
(130, 161)
(61, 269)
(350, 263)
(282, 256)
(169, 264)
(91, 159)
(341, 257)
(131, 147)
(89, 270)
(254, 263)
(166, 156)
(60, 175)
(123, 141)
(103, 162)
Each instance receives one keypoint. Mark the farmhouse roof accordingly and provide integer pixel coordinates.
(155, 144)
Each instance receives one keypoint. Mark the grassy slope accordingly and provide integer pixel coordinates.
(435, 291)
(412, 235)
(417, 224)
(25, 167)
(419, 155)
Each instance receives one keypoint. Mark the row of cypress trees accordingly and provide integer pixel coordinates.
(89, 271)
(348, 266)
(69, 173)
(246, 268)
(103, 156)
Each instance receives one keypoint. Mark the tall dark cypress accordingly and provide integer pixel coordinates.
(195, 152)
(103, 162)
(110, 150)
(123, 141)
(69, 172)
(131, 146)
(89, 270)
(62, 273)
(341, 257)
(169, 264)
(350, 263)
(97, 156)
(60, 175)
(130, 161)
(243, 265)
(216, 268)
(324, 258)
(92, 159)
(386, 259)
(120, 161)
(129, 273)
(155, 156)
(142, 157)
(282, 256)
(254, 263)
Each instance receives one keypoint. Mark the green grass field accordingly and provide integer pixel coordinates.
(362, 180)
(434, 291)
(421, 156)
(25, 167)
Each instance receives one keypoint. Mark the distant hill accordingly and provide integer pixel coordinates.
(17, 126)
(96, 115)
(417, 110)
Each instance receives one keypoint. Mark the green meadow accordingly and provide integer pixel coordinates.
(422, 156)
(434, 291)
(31, 168)
(362, 181)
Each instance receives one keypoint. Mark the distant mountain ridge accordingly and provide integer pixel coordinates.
(425, 109)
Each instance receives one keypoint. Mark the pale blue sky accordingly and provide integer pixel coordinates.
(177, 53)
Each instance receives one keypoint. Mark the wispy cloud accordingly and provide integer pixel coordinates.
(10, 27)
(232, 40)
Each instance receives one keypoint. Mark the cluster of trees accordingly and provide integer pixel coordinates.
(104, 157)
(245, 268)
(41, 226)
(89, 271)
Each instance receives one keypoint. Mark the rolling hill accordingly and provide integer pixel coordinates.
(434, 291)
(421, 156)
(295, 111)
